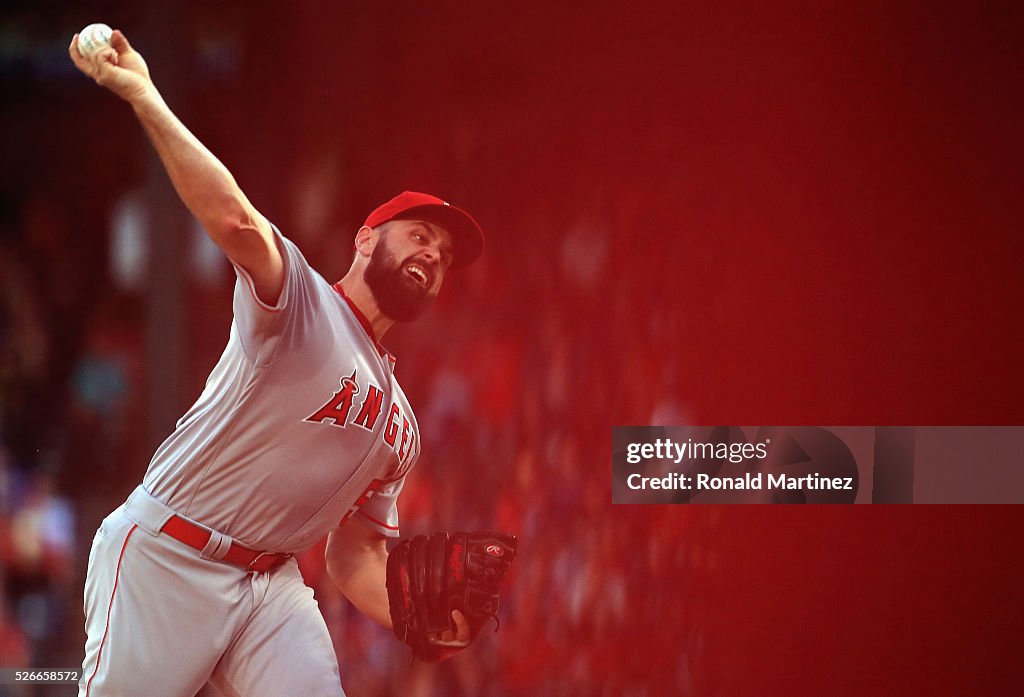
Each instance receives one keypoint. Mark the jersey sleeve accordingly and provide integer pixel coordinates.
(268, 331)
(381, 511)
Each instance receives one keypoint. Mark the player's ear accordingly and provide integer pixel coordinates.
(366, 240)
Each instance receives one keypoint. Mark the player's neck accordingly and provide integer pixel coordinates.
(362, 297)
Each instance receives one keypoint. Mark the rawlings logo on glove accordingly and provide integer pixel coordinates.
(430, 577)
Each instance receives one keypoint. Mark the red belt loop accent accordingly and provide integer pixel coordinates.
(196, 537)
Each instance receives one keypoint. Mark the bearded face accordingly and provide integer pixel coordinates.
(403, 288)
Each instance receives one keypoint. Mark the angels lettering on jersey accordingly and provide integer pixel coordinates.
(397, 431)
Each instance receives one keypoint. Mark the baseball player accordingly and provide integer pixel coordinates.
(301, 431)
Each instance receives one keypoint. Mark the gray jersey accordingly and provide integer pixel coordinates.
(301, 423)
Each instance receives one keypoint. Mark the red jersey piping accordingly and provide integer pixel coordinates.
(365, 323)
(374, 520)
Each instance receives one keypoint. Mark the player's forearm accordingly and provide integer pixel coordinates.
(361, 578)
(203, 183)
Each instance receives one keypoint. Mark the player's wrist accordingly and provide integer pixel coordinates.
(143, 96)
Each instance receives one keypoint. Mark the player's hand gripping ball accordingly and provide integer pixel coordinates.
(430, 577)
(93, 38)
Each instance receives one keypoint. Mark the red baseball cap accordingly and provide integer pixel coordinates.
(467, 237)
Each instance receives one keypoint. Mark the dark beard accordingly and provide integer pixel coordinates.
(398, 296)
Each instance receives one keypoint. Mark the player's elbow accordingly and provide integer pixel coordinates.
(242, 234)
(350, 548)
(233, 223)
(336, 569)
(339, 561)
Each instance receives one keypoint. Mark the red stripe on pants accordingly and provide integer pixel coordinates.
(106, 628)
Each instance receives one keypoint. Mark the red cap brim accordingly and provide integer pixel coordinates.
(467, 236)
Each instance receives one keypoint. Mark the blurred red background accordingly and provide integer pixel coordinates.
(791, 213)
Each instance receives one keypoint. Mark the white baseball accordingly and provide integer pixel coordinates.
(93, 38)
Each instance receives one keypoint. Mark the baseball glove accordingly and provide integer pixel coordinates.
(429, 577)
